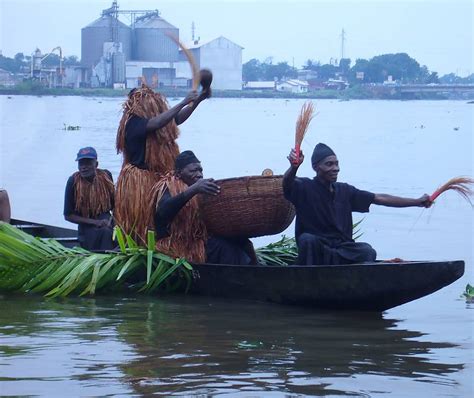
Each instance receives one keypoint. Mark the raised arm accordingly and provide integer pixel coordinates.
(290, 174)
(185, 112)
(164, 118)
(397, 201)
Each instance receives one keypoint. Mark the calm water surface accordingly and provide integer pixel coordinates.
(138, 346)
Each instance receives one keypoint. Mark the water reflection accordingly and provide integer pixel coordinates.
(201, 346)
(196, 346)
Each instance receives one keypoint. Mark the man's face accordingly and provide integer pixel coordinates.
(87, 167)
(191, 173)
(328, 169)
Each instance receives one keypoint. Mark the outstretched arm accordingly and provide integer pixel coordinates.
(169, 206)
(397, 201)
(164, 118)
(290, 174)
(185, 112)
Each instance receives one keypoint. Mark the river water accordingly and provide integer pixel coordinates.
(140, 346)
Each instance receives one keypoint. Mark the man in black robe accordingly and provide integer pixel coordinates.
(324, 211)
(218, 250)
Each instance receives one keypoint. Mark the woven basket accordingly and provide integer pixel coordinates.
(247, 207)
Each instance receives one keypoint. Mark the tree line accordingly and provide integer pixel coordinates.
(401, 67)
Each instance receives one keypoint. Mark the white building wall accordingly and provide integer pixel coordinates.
(224, 59)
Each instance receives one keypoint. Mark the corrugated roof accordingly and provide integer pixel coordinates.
(198, 45)
(154, 22)
(105, 22)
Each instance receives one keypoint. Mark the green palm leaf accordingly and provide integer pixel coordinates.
(29, 264)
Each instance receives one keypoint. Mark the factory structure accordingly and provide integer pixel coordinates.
(114, 54)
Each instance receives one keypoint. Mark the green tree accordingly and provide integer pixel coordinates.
(71, 60)
(251, 70)
(344, 66)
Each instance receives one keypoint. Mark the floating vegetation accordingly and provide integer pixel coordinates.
(469, 294)
(68, 127)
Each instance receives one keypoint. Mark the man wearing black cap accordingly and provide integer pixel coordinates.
(324, 211)
(89, 200)
(179, 229)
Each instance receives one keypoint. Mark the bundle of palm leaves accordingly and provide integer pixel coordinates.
(282, 252)
(30, 264)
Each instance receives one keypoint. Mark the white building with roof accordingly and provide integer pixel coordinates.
(223, 57)
(293, 86)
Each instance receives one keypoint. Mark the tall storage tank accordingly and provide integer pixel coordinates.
(118, 68)
(94, 35)
(151, 42)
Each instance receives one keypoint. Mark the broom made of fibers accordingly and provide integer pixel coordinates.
(459, 184)
(302, 123)
(191, 60)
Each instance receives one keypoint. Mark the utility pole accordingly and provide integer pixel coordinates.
(343, 38)
(193, 30)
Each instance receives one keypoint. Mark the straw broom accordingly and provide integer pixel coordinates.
(461, 185)
(302, 123)
(191, 60)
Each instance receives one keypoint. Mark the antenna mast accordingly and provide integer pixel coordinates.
(343, 39)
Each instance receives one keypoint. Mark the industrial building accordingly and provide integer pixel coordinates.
(117, 55)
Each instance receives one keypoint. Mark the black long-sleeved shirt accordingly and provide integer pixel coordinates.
(324, 213)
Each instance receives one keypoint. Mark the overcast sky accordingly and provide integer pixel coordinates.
(437, 33)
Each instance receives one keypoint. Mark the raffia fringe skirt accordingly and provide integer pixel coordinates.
(133, 209)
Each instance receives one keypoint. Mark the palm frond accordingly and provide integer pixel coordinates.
(29, 264)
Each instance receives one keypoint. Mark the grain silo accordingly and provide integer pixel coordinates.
(150, 40)
(105, 29)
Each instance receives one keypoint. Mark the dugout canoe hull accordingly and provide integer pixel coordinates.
(363, 287)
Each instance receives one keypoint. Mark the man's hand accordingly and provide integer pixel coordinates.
(205, 94)
(206, 186)
(102, 223)
(295, 160)
(425, 201)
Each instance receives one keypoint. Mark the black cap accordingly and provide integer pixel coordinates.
(185, 158)
(321, 151)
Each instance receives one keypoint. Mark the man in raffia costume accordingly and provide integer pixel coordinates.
(89, 200)
(178, 226)
(147, 138)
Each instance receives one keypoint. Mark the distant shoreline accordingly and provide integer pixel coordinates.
(353, 93)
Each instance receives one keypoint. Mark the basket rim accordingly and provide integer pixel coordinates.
(278, 176)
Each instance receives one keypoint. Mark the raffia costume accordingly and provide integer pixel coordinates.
(91, 199)
(146, 157)
(186, 236)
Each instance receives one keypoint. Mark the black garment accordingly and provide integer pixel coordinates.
(167, 209)
(315, 250)
(135, 141)
(227, 251)
(325, 220)
(90, 237)
(218, 250)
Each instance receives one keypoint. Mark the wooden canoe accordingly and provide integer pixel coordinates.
(367, 287)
